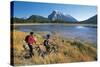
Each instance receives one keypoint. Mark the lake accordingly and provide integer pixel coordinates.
(83, 33)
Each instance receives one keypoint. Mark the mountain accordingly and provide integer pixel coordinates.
(37, 18)
(56, 15)
(92, 20)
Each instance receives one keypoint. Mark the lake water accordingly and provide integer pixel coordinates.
(83, 33)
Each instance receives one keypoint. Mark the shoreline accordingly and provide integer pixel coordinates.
(68, 24)
(63, 38)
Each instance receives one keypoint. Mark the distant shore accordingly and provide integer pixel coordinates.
(67, 24)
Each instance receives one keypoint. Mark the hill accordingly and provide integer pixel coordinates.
(37, 19)
(92, 20)
(67, 50)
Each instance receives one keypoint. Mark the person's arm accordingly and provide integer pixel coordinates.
(34, 39)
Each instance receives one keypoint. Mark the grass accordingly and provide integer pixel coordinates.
(68, 50)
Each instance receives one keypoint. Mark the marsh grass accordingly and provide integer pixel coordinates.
(68, 50)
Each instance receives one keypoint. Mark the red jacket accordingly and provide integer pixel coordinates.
(31, 40)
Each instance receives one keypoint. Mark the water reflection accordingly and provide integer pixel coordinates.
(80, 27)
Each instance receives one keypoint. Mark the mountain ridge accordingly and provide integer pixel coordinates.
(90, 20)
(53, 18)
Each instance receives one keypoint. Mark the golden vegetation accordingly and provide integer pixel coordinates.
(68, 50)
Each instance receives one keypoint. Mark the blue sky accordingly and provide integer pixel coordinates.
(26, 9)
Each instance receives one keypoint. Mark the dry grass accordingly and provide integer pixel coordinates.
(68, 50)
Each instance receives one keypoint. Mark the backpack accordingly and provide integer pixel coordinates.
(46, 43)
(26, 38)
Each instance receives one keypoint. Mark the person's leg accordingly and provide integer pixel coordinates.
(30, 46)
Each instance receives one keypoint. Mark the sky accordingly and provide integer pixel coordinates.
(25, 9)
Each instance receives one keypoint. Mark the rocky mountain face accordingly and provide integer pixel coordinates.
(56, 15)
